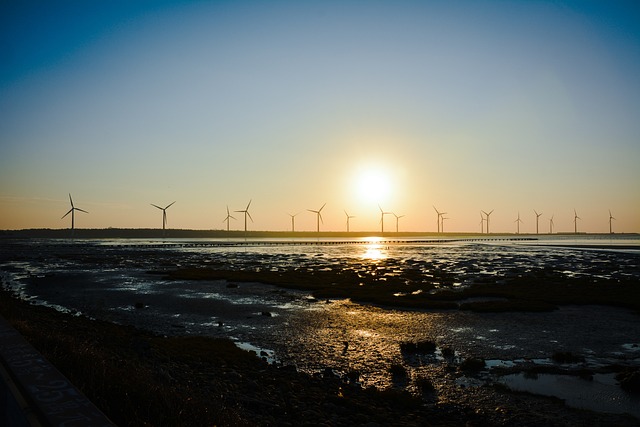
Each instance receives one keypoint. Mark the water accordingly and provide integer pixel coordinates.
(110, 278)
(600, 393)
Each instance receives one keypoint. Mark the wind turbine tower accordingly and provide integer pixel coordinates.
(610, 218)
(518, 221)
(575, 221)
(246, 214)
(443, 218)
(227, 218)
(72, 212)
(537, 219)
(481, 223)
(164, 216)
(398, 220)
(439, 217)
(293, 221)
(382, 214)
(318, 216)
(348, 218)
(488, 214)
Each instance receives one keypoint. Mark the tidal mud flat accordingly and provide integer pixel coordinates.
(313, 310)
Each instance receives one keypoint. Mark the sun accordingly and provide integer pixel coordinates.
(373, 184)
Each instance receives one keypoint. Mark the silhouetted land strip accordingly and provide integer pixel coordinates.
(152, 233)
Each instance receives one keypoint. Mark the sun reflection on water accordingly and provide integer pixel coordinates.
(374, 250)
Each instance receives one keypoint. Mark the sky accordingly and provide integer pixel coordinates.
(510, 106)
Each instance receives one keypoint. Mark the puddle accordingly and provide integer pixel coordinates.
(266, 355)
(601, 394)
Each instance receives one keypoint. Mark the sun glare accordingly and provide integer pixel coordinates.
(374, 252)
(373, 185)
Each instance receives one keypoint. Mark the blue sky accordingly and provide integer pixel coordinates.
(469, 106)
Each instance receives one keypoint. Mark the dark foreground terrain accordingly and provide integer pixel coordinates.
(138, 378)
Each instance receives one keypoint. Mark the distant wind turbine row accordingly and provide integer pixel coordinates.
(484, 218)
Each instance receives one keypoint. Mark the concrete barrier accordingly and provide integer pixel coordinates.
(34, 393)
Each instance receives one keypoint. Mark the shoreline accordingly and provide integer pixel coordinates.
(202, 381)
(222, 384)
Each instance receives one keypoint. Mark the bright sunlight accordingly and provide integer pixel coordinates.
(372, 184)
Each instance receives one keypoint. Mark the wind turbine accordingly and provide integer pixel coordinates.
(443, 218)
(318, 215)
(551, 225)
(610, 218)
(575, 221)
(348, 218)
(537, 218)
(439, 217)
(246, 213)
(398, 220)
(382, 214)
(227, 218)
(72, 212)
(164, 215)
(487, 214)
(293, 221)
(518, 221)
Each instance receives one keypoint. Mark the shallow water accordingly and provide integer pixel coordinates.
(601, 393)
(106, 279)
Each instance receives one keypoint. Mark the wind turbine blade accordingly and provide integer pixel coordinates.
(322, 207)
(156, 206)
(169, 205)
(70, 210)
(81, 210)
(320, 216)
(70, 200)
(485, 213)
(434, 208)
(249, 216)
(249, 204)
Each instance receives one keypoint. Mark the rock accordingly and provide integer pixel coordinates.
(629, 380)
(566, 357)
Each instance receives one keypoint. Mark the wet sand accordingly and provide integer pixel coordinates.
(337, 334)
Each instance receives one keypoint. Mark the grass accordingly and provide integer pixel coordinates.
(116, 366)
